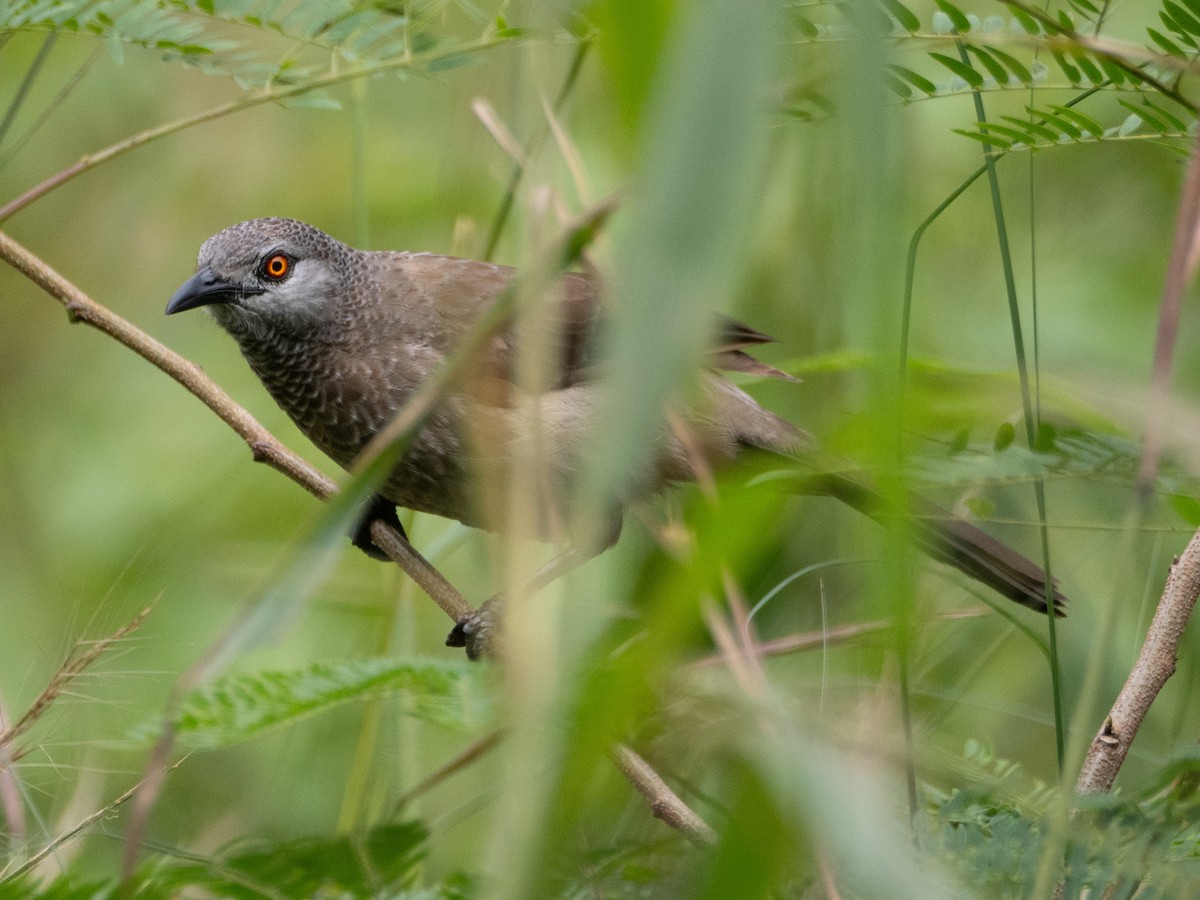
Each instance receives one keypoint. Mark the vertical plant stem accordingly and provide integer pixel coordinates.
(31, 73)
(1031, 422)
(518, 171)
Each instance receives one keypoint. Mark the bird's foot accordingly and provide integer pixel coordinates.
(378, 508)
(478, 631)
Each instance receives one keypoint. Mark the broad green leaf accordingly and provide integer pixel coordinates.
(1165, 43)
(906, 17)
(898, 86)
(1182, 17)
(1035, 129)
(1178, 30)
(1144, 114)
(380, 863)
(1061, 123)
(1084, 121)
(1019, 134)
(1089, 68)
(682, 248)
(959, 68)
(1187, 508)
(1005, 435)
(1115, 73)
(239, 707)
(806, 26)
(957, 17)
(995, 69)
(1014, 65)
(1163, 113)
(1073, 74)
(1028, 22)
(996, 143)
(920, 82)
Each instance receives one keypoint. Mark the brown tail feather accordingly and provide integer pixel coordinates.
(953, 541)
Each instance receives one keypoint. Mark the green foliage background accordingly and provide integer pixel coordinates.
(777, 170)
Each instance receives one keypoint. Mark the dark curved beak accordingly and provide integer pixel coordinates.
(202, 289)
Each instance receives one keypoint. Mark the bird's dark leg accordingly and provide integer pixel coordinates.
(378, 508)
(477, 631)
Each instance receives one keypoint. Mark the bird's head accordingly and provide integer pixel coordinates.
(268, 276)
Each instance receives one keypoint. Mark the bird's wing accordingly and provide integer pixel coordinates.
(442, 296)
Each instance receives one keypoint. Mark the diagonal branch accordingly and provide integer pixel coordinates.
(664, 803)
(1155, 664)
(264, 445)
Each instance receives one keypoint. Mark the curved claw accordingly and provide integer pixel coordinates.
(477, 631)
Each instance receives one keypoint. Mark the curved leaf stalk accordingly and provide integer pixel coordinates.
(1031, 426)
(518, 171)
(271, 95)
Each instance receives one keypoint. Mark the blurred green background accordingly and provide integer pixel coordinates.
(118, 490)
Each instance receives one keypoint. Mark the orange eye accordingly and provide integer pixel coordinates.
(276, 267)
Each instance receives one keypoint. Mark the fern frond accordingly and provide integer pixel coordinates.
(225, 37)
(239, 707)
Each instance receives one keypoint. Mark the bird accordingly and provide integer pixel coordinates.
(341, 338)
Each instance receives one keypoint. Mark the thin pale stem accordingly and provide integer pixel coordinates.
(270, 95)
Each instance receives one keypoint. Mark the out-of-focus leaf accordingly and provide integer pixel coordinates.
(679, 255)
(631, 35)
(240, 707)
(959, 68)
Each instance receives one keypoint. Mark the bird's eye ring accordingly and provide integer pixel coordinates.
(276, 267)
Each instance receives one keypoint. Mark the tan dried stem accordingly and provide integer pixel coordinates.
(1155, 664)
(81, 659)
(664, 803)
(473, 751)
(825, 638)
(1181, 267)
(13, 809)
(76, 664)
(71, 833)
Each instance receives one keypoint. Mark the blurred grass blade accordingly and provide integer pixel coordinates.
(680, 255)
(264, 620)
(18, 99)
(242, 706)
(1185, 253)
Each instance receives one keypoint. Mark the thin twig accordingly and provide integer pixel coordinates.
(1155, 664)
(72, 832)
(75, 665)
(1181, 266)
(265, 447)
(664, 802)
(518, 171)
(824, 638)
(272, 95)
(472, 752)
(10, 793)
(1106, 48)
